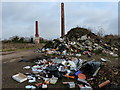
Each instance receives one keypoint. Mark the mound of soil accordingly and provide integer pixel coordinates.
(78, 32)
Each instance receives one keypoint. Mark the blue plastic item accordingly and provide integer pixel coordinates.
(78, 72)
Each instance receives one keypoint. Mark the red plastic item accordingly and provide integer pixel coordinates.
(81, 76)
(104, 83)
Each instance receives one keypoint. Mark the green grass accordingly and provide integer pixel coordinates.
(17, 47)
(6, 50)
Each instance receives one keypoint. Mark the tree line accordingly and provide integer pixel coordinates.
(18, 39)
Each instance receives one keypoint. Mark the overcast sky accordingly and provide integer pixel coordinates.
(18, 18)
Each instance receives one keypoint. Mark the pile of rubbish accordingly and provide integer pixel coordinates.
(49, 72)
(79, 41)
(63, 60)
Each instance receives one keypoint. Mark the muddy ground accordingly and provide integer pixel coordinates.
(12, 66)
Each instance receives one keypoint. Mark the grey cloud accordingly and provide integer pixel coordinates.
(19, 18)
(94, 17)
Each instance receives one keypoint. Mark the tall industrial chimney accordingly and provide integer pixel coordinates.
(62, 20)
(36, 34)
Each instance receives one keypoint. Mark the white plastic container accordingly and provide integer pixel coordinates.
(20, 77)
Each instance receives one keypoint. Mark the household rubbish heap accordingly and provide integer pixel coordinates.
(49, 72)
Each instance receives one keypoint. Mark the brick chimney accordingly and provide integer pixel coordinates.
(36, 33)
(62, 20)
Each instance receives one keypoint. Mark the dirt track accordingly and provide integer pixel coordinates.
(15, 55)
(11, 66)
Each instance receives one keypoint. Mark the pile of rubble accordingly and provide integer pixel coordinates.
(79, 41)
